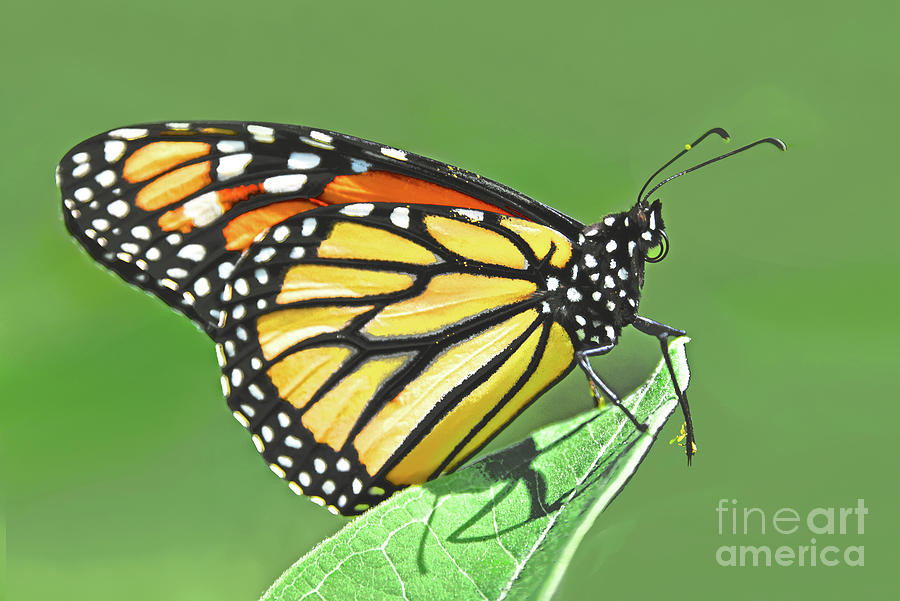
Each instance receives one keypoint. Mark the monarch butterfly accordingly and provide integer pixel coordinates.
(378, 316)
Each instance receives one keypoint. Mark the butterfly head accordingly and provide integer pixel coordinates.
(610, 271)
(648, 230)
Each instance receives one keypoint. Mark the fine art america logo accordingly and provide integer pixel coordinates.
(821, 536)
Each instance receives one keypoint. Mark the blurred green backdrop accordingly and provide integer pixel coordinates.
(125, 477)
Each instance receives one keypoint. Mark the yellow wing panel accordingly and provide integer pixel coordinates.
(448, 299)
(474, 242)
(423, 460)
(310, 281)
(280, 330)
(384, 434)
(356, 241)
(332, 417)
(557, 356)
(299, 375)
(539, 238)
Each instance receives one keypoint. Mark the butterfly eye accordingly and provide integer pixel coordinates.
(663, 249)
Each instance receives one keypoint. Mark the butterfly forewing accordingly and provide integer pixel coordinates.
(375, 345)
(170, 207)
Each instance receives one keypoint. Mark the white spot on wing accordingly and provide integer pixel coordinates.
(113, 150)
(303, 160)
(261, 133)
(321, 136)
(203, 210)
(194, 252)
(228, 146)
(281, 184)
(393, 153)
(201, 287)
(358, 210)
(233, 165)
(118, 208)
(264, 254)
(470, 213)
(308, 227)
(106, 178)
(400, 217)
(225, 270)
(128, 133)
(281, 233)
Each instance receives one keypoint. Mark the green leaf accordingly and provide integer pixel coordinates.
(504, 527)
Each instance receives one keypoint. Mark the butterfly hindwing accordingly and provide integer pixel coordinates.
(375, 345)
(170, 207)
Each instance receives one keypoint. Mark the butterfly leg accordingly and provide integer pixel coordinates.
(662, 332)
(584, 360)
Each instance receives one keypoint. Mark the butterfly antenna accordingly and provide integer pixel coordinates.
(716, 130)
(773, 141)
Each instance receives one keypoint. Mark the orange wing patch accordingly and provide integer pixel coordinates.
(242, 230)
(382, 186)
(173, 186)
(158, 157)
(384, 434)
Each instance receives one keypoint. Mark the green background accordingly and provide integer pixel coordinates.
(125, 477)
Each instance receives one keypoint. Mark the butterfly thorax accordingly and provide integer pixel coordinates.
(604, 291)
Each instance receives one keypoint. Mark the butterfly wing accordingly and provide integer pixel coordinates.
(375, 345)
(170, 207)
